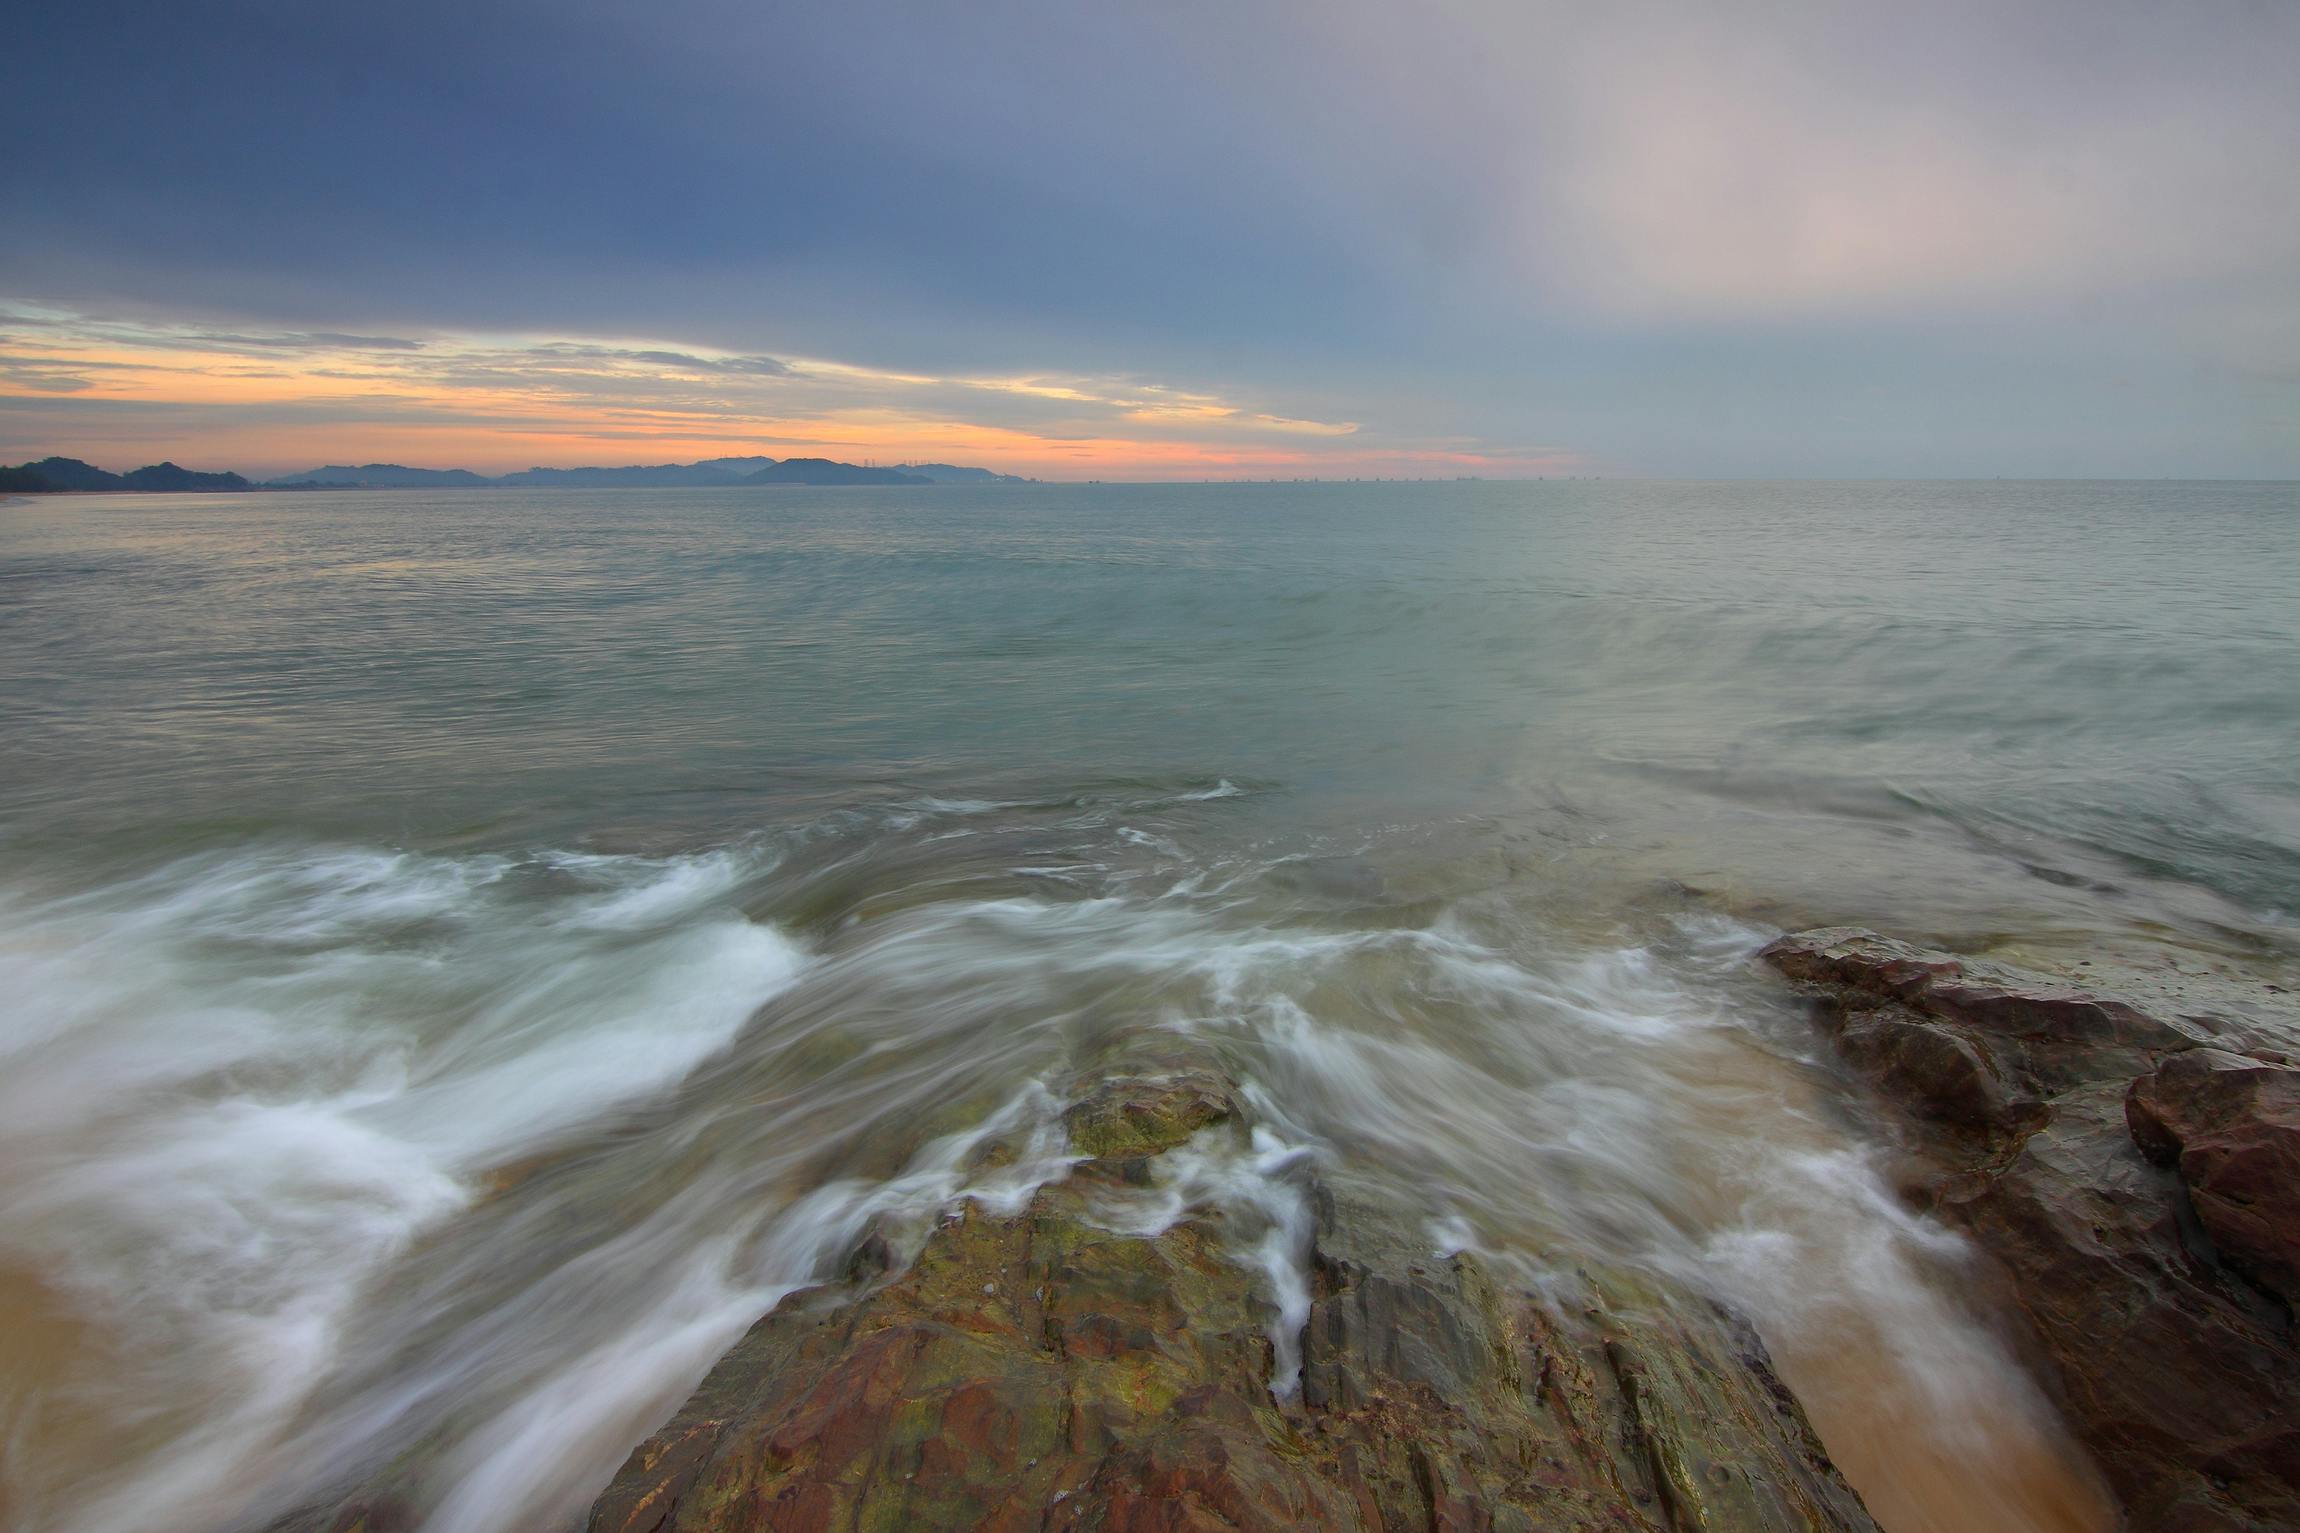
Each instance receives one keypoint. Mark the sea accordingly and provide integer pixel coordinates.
(465, 956)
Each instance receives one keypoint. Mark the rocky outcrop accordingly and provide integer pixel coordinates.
(1075, 1365)
(2133, 1174)
(2231, 1125)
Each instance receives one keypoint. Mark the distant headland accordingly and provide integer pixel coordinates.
(60, 475)
(51, 476)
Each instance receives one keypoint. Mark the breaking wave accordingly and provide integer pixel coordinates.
(322, 1160)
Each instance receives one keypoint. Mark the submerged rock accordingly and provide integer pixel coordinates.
(2134, 1176)
(1081, 1366)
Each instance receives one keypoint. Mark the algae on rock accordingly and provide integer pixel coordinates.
(1057, 1370)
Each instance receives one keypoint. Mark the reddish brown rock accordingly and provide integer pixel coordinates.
(2231, 1124)
(2039, 1035)
(2175, 1365)
(1934, 1070)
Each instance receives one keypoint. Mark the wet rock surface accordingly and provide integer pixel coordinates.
(2231, 1125)
(2137, 1178)
(1082, 1365)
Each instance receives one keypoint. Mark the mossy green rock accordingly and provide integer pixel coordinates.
(1046, 1372)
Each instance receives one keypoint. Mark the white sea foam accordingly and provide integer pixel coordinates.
(238, 1091)
(640, 892)
(1224, 788)
(336, 1153)
(1260, 1186)
(539, 1459)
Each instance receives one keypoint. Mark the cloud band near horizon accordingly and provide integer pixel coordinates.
(277, 402)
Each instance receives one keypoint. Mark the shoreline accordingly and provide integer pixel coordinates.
(1089, 1358)
(1944, 1013)
(2127, 1171)
(1100, 1350)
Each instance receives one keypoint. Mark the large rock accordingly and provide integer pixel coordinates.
(2231, 1124)
(2043, 1036)
(1076, 1367)
(2169, 1344)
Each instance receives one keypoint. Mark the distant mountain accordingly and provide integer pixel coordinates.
(824, 471)
(166, 476)
(52, 474)
(659, 476)
(709, 471)
(72, 474)
(384, 476)
(951, 473)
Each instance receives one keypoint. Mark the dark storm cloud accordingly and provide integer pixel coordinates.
(651, 169)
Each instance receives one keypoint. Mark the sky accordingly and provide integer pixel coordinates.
(1159, 238)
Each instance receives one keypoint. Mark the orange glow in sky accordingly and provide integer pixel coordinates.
(121, 395)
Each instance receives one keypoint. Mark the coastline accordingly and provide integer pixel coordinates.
(1106, 1349)
(1104, 1353)
(2084, 1219)
(2128, 1171)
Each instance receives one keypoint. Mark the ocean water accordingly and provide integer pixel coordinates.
(465, 956)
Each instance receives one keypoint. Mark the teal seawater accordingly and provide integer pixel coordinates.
(464, 957)
(2094, 684)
